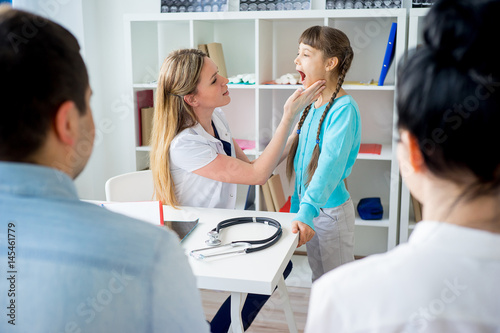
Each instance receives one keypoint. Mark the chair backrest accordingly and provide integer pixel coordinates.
(132, 186)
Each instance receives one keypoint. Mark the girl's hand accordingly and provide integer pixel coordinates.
(302, 98)
(306, 233)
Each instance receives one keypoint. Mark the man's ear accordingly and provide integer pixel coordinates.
(191, 100)
(332, 63)
(66, 123)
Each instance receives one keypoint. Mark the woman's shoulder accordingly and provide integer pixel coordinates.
(190, 134)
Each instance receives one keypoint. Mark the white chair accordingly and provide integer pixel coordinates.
(132, 186)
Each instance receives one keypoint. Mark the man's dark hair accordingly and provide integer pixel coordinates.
(40, 68)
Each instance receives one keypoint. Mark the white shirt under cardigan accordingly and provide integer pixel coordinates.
(192, 149)
(445, 279)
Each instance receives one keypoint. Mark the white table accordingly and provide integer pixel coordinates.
(258, 273)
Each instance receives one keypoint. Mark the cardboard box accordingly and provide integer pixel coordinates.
(147, 125)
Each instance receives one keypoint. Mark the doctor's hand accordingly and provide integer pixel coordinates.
(302, 98)
(305, 232)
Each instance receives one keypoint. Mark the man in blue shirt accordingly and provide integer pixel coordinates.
(67, 265)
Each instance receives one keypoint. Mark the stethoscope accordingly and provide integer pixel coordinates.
(245, 246)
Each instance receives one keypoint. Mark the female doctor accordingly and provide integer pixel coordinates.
(194, 159)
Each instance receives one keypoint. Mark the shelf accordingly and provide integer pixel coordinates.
(384, 223)
(268, 49)
(368, 87)
(280, 86)
(418, 12)
(385, 156)
(144, 85)
(415, 37)
(248, 152)
(240, 86)
(345, 86)
(268, 15)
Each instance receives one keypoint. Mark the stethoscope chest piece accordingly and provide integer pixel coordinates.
(213, 238)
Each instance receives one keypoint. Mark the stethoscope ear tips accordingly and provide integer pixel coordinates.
(213, 238)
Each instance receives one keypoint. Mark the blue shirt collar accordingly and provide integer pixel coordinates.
(32, 180)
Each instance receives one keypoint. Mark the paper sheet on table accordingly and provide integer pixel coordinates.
(149, 211)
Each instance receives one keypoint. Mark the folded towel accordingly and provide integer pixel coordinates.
(370, 209)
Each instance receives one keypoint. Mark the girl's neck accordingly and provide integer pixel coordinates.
(327, 93)
(326, 96)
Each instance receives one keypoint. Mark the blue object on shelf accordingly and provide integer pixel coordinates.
(370, 209)
(389, 54)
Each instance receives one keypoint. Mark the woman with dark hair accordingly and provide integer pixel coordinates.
(444, 278)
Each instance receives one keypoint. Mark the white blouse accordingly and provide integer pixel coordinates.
(192, 149)
(445, 279)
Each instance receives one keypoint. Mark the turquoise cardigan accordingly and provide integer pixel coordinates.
(340, 138)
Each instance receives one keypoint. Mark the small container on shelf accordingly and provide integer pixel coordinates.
(182, 6)
(422, 3)
(360, 4)
(271, 5)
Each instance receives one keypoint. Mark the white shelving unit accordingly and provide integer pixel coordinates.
(407, 219)
(266, 43)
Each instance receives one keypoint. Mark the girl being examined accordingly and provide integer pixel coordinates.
(323, 152)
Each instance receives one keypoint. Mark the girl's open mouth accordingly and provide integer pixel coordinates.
(302, 76)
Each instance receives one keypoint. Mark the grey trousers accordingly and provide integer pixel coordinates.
(333, 243)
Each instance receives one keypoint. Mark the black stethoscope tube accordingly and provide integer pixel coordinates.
(264, 220)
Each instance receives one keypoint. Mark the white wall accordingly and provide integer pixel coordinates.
(98, 26)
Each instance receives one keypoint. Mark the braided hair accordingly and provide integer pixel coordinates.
(333, 43)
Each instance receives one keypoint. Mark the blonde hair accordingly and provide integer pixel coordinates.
(333, 43)
(179, 76)
(5, 7)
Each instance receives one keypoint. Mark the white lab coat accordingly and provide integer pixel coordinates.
(192, 149)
